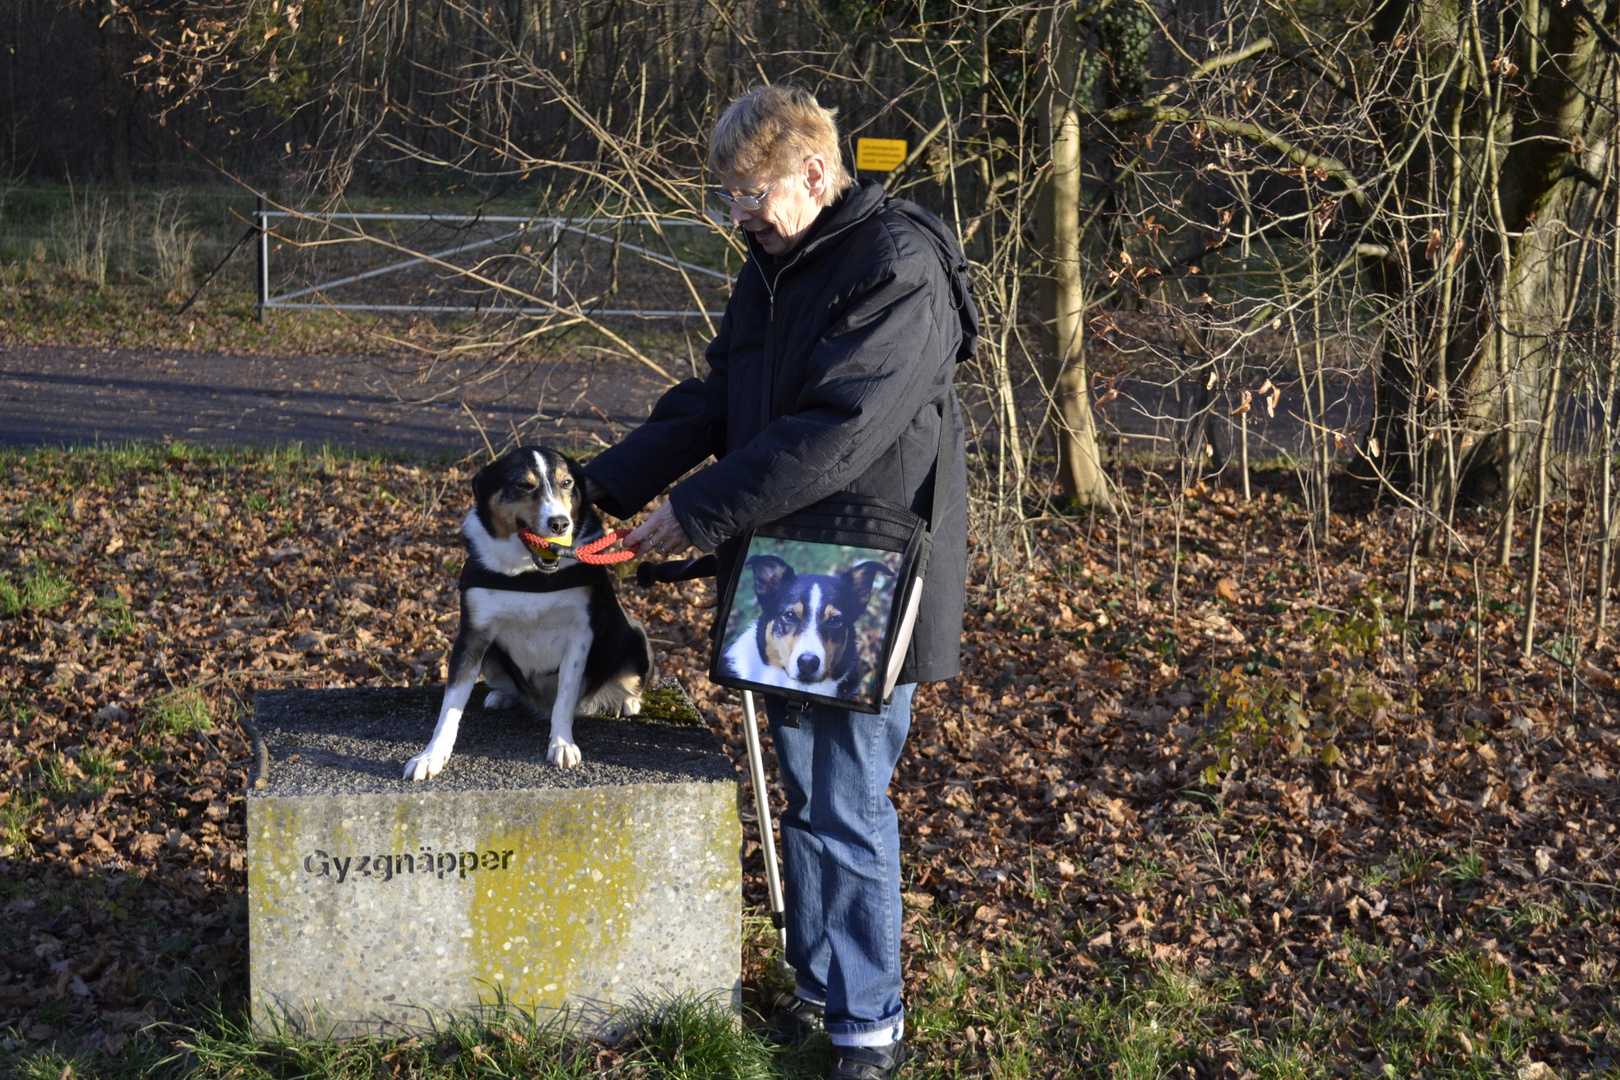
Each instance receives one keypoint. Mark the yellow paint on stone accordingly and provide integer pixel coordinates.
(561, 900)
(271, 863)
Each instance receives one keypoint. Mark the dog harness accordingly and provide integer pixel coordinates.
(475, 575)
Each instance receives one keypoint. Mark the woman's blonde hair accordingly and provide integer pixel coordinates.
(770, 130)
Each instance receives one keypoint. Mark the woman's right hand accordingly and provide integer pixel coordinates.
(660, 534)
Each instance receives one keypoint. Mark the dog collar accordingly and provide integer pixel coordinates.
(475, 575)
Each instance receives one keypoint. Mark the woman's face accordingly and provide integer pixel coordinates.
(789, 210)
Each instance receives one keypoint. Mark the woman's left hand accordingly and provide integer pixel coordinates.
(660, 534)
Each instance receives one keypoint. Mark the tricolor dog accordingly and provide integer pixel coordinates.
(541, 627)
(804, 637)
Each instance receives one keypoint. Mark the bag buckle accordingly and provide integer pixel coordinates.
(794, 713)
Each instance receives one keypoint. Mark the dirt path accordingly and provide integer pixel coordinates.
(74, 396)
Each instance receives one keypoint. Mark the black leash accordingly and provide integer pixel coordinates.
(649, 574)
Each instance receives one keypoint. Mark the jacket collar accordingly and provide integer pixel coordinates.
(853, 207)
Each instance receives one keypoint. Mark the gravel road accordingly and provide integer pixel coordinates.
(72, 396)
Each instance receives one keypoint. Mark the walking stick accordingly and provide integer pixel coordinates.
(762, 808)
(649, 574)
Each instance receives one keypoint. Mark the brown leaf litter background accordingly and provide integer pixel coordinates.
(1256, 777)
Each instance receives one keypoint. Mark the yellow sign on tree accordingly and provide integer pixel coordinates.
(879, 155)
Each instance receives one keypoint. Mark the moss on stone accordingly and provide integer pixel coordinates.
(667, 703)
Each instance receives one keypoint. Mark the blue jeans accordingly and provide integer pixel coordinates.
(841, 847)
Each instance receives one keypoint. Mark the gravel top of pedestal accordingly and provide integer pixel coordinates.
(356, 741)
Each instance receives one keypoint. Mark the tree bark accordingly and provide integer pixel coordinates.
(1474, 358)
(1080, 476)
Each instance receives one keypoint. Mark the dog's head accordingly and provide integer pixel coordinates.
(536, 489)
(807, 621)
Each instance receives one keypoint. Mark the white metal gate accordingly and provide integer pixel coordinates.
(553, 228)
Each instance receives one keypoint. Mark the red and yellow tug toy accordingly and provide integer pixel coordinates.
(549, 548)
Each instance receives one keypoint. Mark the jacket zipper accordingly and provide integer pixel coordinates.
(770, 337)
(770, 324)
(770, 286)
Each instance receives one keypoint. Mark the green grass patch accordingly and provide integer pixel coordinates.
(1480, 982)
(44, 519)
(178, 712)
(56, 776)
(1140, 1027)
(1379, 875)
(20, 712)
(41, 592)
(15, 814)
(1414, 864)
(99, 768)
(684, 1039)
(117, 620)
(1527, 915)
(1465, 869)
(1139, 876)
(181, 470)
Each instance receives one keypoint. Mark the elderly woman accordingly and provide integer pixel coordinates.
(832, 371)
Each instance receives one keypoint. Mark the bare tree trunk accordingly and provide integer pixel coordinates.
(1549, 416)
(1079, 466)
(1515, 162)
(1606, 390)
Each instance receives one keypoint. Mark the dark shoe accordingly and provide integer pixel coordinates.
(795, 1019)
(867, 1062)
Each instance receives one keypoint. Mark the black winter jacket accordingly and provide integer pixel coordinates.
(831, 371)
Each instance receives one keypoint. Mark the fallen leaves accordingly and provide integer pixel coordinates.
(1217, 758)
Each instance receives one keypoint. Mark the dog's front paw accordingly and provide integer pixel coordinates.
(630, 707)
(426, 765)
(498, 699)
(563, 753)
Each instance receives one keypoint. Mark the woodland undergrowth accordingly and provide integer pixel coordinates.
(1215, 806)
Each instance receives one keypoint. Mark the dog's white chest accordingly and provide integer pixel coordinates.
(534, 629)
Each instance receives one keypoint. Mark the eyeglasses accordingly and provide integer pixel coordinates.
(747, 202)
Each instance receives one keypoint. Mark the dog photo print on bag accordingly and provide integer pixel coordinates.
(810, 617)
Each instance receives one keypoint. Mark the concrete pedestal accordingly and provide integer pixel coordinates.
(375, 904)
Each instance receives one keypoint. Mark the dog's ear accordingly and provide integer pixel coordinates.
(770, 574)
(862, 575)
(489, 480)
